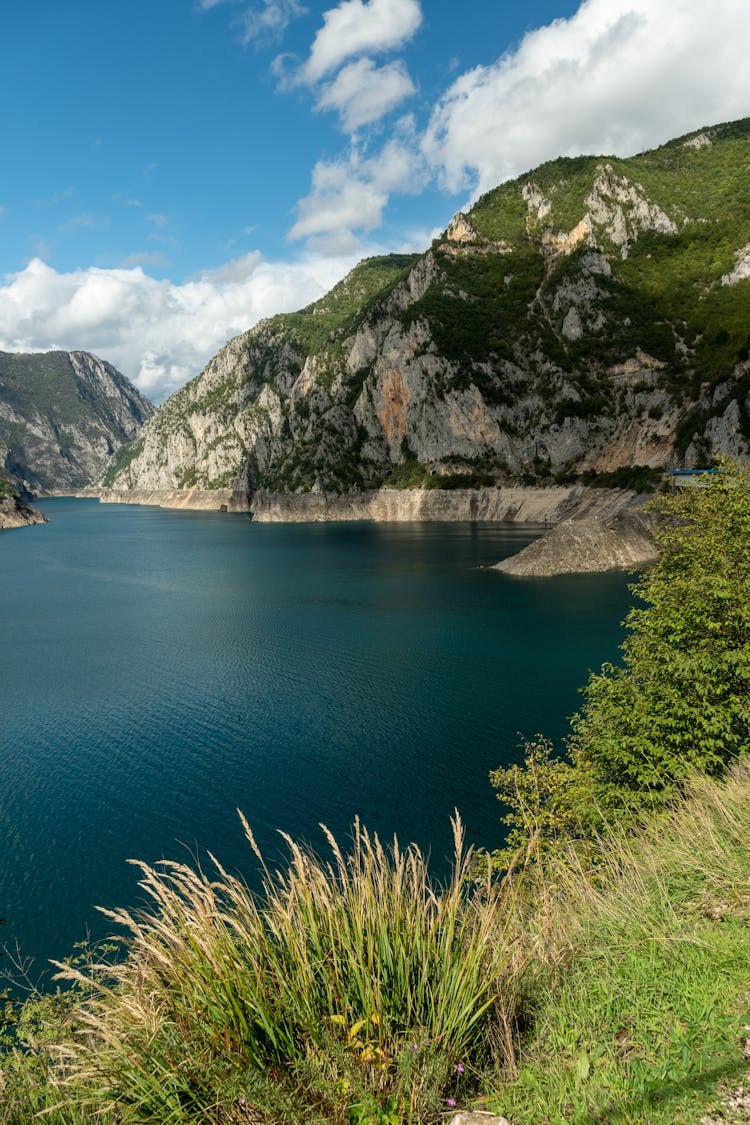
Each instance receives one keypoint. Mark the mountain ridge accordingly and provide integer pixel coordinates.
(62, 416)
(586, 319)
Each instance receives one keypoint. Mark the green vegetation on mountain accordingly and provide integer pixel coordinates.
(340, 311)
(670, 281)
(589, 316)
(120, 461)
(6, 488)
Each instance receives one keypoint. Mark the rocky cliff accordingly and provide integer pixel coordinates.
(14, 512)
(62, 416)
(589, 320)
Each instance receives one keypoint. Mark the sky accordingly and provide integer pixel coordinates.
(174, 170)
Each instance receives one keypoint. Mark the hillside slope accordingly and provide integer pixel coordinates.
(62, 416)
(588, 317)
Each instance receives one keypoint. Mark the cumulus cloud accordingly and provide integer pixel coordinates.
(363, 92)
(349, 195)
(360, 27)
(618, 76)
(157, 333)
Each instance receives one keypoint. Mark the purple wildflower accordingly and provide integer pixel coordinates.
(460, 1068)
(451, 1102)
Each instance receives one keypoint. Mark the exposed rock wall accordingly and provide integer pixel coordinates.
(62, 415)
(195, 499)
(521, 505)
(608, 532)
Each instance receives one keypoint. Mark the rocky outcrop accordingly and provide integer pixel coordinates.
(608, 532)
(741, 270)
(62, 415)
(15, 512)
(478, 1117)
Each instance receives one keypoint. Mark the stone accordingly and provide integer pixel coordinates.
(478, 1117)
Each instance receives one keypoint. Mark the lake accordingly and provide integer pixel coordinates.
(160, 669)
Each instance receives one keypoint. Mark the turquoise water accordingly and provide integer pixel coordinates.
(160, 669)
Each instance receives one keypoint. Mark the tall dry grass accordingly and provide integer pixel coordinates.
(353, 981)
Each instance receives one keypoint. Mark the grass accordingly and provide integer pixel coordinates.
(647, 1009)
(351, 990)
(356, 991)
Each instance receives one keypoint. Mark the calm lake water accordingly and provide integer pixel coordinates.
(158, 669)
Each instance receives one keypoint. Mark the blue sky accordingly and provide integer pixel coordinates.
(175, 169)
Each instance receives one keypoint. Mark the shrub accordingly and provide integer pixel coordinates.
(679, 704)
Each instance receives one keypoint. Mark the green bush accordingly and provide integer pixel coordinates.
(679, 703)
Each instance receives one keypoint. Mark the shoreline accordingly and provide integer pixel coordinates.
(589, 529)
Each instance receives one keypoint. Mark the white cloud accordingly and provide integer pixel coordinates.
(360, 27)
(363, 92)
(269, 21)
(157, 333)
(350, 194)
(619, 76)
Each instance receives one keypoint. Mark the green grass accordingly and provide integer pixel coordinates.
(351, 989)
(647, 1011)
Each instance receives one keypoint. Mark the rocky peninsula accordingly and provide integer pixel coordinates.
(15, 512)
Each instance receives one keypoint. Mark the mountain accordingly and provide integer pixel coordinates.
(589, 320)
(62, 416)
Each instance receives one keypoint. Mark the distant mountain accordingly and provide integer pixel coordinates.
(589, 319)
(62, 416)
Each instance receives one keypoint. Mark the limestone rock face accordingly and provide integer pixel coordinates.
(538, 339)
(623, 210)
(16, 513)
(62, 416)
(605, 533)
(741, 270)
